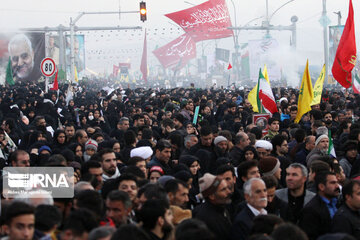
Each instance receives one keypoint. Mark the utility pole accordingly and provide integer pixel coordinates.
(72, 35)
(62, 29)
(265, 25)
(324, 21)
(236, 43)
(339, 17)
(268, 27)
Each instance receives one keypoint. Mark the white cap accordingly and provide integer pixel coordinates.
(143, 152)
(219, 139)
(264, 144)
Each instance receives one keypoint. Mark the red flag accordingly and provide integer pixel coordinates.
(176, 53)
(143, 66)
(127, 65)
(115, 70)
(55, 84)
(229, 67)
(209, 20)
(345, 57)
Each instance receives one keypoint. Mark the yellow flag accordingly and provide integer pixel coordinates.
(266, 76)
(76, 75)
(252, 96)
(318, 87)
(306, 94)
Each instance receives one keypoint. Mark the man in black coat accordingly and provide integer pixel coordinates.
(347, 218)
(213, 211)
(205, 149)
(256, 201)
(241, 141)
(316, 217)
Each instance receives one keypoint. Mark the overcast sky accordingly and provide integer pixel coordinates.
(40, 13)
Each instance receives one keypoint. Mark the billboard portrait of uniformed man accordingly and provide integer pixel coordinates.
(26, 52)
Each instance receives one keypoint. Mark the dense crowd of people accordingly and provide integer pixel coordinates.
(149, 165)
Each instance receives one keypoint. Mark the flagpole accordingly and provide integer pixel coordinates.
(229, 81)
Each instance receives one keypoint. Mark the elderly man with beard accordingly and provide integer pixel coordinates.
(213, 211)
(256, 201)
(316, 217)
(221, 147)
(321, 149)
(156, 218)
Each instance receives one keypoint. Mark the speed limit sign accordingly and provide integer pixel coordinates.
(47, 67)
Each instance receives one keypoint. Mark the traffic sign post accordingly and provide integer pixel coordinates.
(47, 68)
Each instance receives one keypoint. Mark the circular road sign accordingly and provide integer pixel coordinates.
(47, 67)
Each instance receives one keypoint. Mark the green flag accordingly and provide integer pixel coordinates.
(9, 74)
(331, 150)
(259, 104)
(62, 75)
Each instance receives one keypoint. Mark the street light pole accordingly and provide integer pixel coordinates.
(236, 43)
(266, 24)
(339, 17)
(326, 47)
(72, 36)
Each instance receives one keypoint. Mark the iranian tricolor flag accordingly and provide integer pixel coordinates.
(356, 84)
(265, 97)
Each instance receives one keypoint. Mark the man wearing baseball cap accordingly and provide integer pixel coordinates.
(212, 212)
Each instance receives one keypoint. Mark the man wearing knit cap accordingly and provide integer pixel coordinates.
(350, 158)
(179, 121)
(263, 148)
(90, 149)
(321, 149)
(213, 212)
(221, 144)
(270, 166)
(143, 152)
